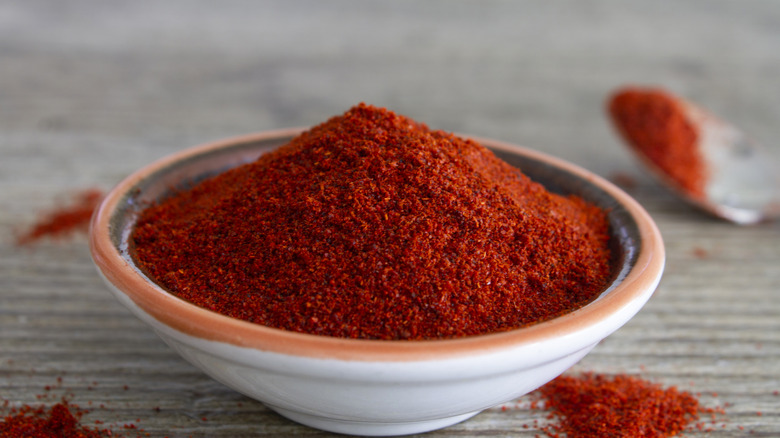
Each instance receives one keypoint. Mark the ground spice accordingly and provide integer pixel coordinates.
(593, 405)
(65, 220)
(655, 123)
(56, 417)
(59, 421)
(624, 180)
(700, 253)
(371, 225)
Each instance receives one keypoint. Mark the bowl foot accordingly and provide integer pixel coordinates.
(365, 428)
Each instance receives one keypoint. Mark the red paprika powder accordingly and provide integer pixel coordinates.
(64, 220)
(62, 419)
(371, 225)
(59, 421)
(655, 123)
(601, 406)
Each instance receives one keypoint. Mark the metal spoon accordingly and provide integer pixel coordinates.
(741, 184)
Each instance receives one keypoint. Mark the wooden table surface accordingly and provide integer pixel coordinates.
(91, 91)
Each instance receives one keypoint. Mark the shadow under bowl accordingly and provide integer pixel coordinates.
(374, 387)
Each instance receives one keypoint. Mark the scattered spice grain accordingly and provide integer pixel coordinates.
(592, 405)
(64, 220)
(371, 225)
(57, 416)
(654, 122)
(624, 180)
(700, 253)
(59, 421)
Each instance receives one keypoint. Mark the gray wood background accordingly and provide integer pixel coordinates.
(92, 90)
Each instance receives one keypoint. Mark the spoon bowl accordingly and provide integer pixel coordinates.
(742, 184)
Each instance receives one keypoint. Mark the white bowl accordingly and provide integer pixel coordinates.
(374, 387)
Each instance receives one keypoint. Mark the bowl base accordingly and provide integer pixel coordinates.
(366, 428)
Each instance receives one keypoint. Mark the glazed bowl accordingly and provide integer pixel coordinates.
(374, 387)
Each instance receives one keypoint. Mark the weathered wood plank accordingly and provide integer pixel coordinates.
(90, 91)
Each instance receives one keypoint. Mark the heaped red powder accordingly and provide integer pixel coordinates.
(373, 226)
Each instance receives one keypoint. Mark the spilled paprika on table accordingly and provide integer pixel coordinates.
(590, 405)
(373, 226)
(60, 420)
(64, 220)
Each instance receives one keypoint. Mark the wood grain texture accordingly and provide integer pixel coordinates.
(90, 91)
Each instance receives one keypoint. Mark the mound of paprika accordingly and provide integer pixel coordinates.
(373, 226)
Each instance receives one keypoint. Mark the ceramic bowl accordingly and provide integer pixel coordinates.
(374, 387)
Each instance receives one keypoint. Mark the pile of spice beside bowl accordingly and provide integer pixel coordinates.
(333, 273)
